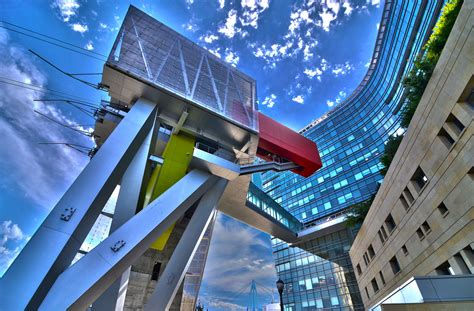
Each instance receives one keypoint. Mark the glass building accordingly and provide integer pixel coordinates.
(350, 138)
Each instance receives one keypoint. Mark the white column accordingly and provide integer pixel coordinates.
(82, 283)
(131, 195)
(176, 268)
(54, 245)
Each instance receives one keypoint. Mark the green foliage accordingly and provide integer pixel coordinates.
(416, 80)
(358, 213)
(415, 83)
(389, 152)
(442, 29)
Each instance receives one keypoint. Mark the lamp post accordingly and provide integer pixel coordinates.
(280, 286)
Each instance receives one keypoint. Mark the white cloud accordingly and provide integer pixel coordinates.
(251, 10)
(215, 51)
(340, 96)
(269, 101)
(311, 73)
(208, 38)
(67, 8)
(367, 64)
(231, 57)
(375, 2)
(42, 173)
(229, 29)
(190, 26)
(342, 69)
(318, 71)
(11, 234)
(298, 99)
(89, 46)
(79, 27)
(220, 304)
(347, 8)
(221, 4)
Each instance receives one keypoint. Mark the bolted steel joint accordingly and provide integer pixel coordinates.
(117, 246)
(68, 212)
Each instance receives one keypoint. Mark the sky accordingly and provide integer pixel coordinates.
(306, 56)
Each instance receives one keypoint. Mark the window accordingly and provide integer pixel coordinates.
(404, 250)
(366, 259)
(371, 252)
(447, 140)
(383, 232)
(454, 124)
(408, 195)
(419, 179)
(359, 270)
(367, 293)
(426, 227)
(420, 234)
(390, 223)
(334, 301)
(381, 277)
(443, 209)
(404, 203)
(156, 271)
(375, 286)
(327, 205)
(445, 269)
(319, 303)
(381, 237)
(395, 265)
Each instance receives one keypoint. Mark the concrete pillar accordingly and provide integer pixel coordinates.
(131, 195)
(175, 270)
(468, 257)
(80, 285)
(459, 266)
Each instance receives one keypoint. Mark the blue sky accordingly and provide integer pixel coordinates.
(306, 56)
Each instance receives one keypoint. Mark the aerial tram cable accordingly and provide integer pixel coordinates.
(49, 39)
(98, 86)
(82, 132)
(90, 152)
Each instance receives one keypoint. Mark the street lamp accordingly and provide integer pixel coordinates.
(280, 285)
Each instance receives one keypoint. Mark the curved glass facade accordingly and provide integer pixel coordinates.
(350, 139)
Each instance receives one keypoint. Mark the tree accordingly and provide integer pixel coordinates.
(389, 152)
(358, 212)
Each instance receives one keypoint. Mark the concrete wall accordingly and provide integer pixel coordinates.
(449, 171)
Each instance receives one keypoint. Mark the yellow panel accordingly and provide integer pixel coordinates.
(177, 156)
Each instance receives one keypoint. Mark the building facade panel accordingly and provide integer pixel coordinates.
(425, 203)
(351, 139)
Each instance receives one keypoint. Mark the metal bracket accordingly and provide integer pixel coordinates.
(117, 246)
(68, 212)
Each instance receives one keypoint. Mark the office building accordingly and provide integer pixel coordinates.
(350, 139)
(415, 248)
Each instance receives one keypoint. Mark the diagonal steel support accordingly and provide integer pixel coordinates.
(78, 286)
(171, 278)
(54, 245)
(131, 195)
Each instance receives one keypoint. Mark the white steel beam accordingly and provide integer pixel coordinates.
(54, 245)
(131, 195)
(82, 283)
(175, 270)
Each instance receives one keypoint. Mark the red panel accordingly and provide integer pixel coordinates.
(277, 139)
